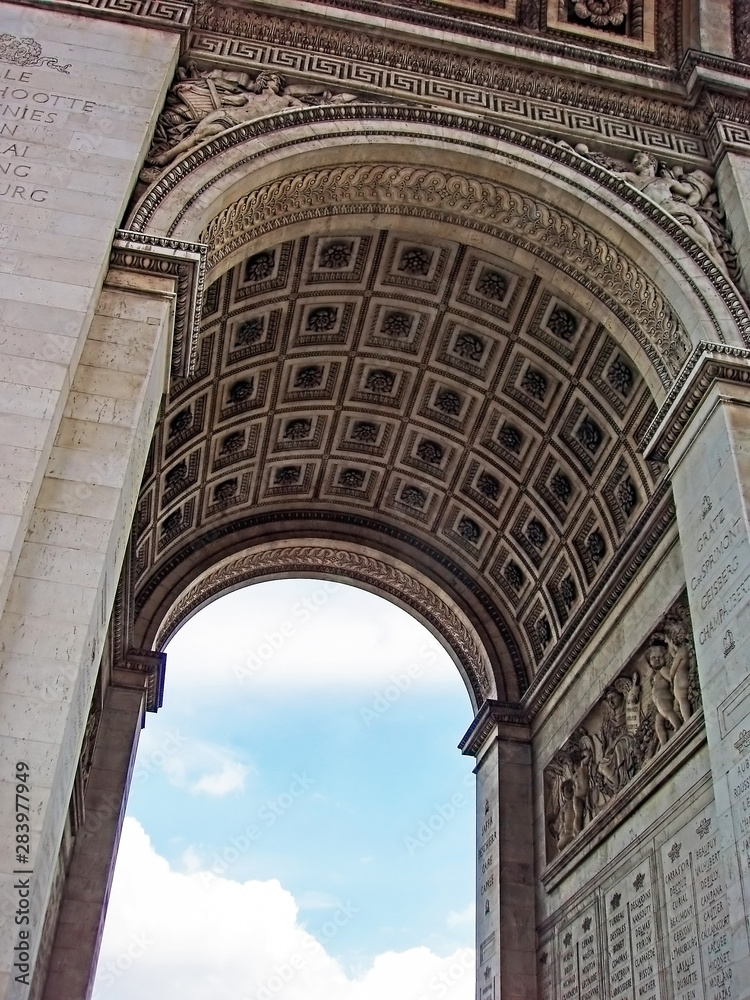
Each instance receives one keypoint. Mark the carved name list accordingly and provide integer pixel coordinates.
(28, 113)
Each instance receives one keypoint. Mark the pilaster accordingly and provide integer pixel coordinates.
(705, 435)
(506, 925)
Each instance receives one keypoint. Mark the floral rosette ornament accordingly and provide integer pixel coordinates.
(27, 52)
(602, 12)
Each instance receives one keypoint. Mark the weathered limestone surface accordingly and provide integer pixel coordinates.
(54, 625)
(75, 121)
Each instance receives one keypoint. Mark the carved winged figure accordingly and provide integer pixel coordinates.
(689, 196)
(677, 193)
(204, 104)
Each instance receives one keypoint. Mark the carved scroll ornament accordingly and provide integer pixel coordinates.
(640, 712)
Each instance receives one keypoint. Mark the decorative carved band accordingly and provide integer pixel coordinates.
(599, 266)
(435, 194)
(707, 364)
(491, 714)
(517, 96)
(639, 713)
(139, 668)
(184, 261)
(164, 14)
(353, 565)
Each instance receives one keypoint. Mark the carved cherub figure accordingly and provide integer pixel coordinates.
(572, 793)
(679, 670)
(661, 689)
(566, 821)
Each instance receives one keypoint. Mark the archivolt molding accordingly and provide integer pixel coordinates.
(435, 193)
(361, 565)
(478, 203)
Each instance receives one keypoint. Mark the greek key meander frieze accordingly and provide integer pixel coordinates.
(526, 145)
(533, 100)
(202, 104)
(354, 565)
(560, 25)
(641, 711)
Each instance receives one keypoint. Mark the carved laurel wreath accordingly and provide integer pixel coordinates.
(352, 565)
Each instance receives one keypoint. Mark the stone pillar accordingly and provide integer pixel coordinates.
(506, 915)
(708, 27)
(54, 625)
(89, 878)
(706, 437)
(78, 96)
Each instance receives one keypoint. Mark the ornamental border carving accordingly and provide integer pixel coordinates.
(184, 261)
(341, 40)
(579, 239)
(520, 97)
(163, 14)
(707, 364)
(339, 561)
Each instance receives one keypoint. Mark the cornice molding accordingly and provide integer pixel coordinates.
(186, 262)
(709, 363)
(166, 15)
(493, 713)
(472, 30)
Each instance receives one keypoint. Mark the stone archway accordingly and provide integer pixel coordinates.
(458, 367)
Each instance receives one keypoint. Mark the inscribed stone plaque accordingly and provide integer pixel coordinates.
(579, 962)
(697, 911)
(631, 960)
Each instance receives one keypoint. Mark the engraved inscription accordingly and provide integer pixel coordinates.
(24, 107)
(697, 912)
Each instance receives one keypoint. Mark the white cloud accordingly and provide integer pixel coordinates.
(305, 633)
(175, 936)
(458, 917)
(230, 778)
(199, 767)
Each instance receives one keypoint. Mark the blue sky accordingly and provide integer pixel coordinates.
(300, 793)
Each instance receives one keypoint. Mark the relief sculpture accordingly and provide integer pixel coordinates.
(202, 104)
(689, 196)
(639, 713)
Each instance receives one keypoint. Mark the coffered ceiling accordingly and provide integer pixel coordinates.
(425, 385)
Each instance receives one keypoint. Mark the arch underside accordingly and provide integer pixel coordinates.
(437, 367)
